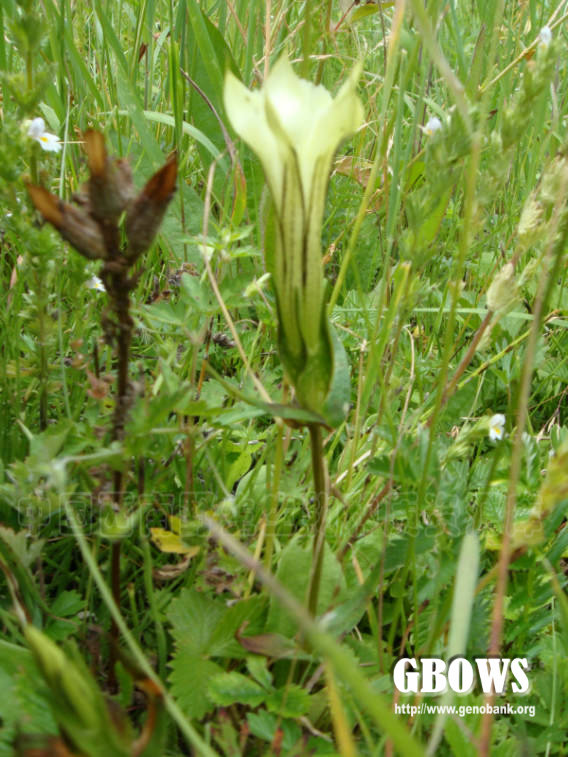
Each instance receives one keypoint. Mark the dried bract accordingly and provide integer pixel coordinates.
(74, 225)
(110, 187)
(147, 211)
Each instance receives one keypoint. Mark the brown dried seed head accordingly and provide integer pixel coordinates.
(47, 204)
(110, 185)
(124, 179)
(146, 213)
(83, 232)
(74, 225)
(96, 152)
(160, 187)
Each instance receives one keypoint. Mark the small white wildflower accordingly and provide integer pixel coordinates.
(497, 427)
(545, 36)
(95, 283)
(433, 125)
(49, 142)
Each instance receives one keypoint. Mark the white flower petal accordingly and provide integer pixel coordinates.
(298, 103)
(95, 283)
(312, 122)
(49, 142)
(497, 427)
(247, 115)
(36, 128)
(433, 125)
(545, 36)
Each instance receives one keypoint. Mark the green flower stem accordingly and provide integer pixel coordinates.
(318, 468)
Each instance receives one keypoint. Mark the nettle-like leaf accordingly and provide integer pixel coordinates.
(189, 679)
(205, 629)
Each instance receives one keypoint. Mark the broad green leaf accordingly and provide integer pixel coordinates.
(198, 295)
(207, 627)
(26, 549)
(194, 617)
(207, 57)
(226, 689)
(297, 415)
(294, 572)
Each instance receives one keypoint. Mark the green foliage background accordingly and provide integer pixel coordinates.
(417, 227)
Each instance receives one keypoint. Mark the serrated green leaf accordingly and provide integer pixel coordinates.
(67, 603)
(189, 679)
(194, 617)
(264, 724)
(287, 412)
(208, 627)
(196, 294)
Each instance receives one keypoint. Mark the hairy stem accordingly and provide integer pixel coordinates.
(119, 291)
